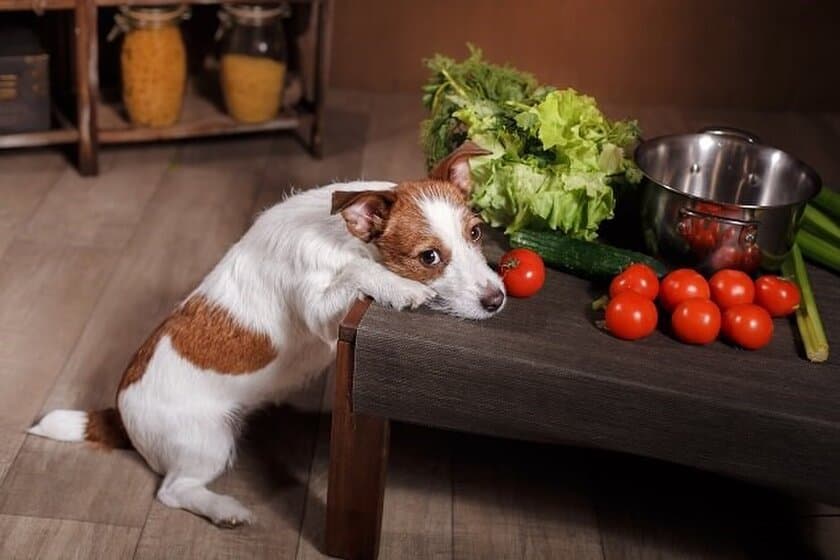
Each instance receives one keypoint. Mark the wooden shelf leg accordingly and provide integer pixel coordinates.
(358, 465)
(322, 74)
(87, 85)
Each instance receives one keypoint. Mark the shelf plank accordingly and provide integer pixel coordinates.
(199, 117)
(39, 138)
(199, 2)
(211, 126)
(33, 5)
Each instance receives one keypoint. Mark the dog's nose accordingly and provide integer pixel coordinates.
(492, 299)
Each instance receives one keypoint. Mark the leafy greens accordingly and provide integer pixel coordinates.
(555, 157)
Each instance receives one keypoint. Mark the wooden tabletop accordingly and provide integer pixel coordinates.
(543, 370)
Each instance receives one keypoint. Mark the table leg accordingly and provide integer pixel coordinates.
(358, 463)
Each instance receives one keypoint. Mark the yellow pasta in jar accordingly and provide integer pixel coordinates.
(252, 86)
(154, 74)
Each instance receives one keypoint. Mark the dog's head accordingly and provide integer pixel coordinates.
(426, 231)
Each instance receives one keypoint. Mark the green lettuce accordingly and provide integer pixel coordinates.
(555, 158)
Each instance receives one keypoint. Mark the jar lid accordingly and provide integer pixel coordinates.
(154, 15)
(256, 13)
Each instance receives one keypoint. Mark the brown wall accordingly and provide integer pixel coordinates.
(716, 53)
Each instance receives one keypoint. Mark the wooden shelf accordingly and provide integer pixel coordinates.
(102, 122)
(36, 5)
(39, 138)
(199, 117)
(159, 2)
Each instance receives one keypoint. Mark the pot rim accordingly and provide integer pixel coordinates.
(807, 169)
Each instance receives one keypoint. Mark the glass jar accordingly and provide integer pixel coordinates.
(153, 63)
(253, 60)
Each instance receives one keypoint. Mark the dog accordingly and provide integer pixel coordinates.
(264, 321)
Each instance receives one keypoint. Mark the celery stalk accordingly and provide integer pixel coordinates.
(818, 223)
(829, 202)
(807, 316)
(819, 250)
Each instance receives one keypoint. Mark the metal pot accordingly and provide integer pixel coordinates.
(719, 199)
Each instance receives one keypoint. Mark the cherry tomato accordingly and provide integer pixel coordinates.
(637, 277)
(748, 326)
(731, 287)
(751, 258)
(704, 238)
(703, 242)
(523, 272)
(727, 256)
(778, 296)
(680, 285)
(631, 316)
(696, 321)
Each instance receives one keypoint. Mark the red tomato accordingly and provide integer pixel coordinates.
(637, 277)
(748, 326)
(726, 256)
(696, 321)
(751, 258)
(680, 285)
(704, 239)
(731, 287)
(523, 272)
(778, 296)
(631, 316)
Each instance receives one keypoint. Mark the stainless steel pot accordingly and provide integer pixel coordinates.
(719, 199)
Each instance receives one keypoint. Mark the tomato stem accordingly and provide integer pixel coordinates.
(600, 303)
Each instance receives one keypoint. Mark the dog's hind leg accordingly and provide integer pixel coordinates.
(195, 462)
(191, 494)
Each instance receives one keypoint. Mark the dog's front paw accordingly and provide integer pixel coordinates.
(408, 295)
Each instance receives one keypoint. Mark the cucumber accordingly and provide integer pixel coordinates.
(582, 258)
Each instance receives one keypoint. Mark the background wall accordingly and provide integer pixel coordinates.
(714, 53)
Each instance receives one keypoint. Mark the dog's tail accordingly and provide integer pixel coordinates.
(103, 428)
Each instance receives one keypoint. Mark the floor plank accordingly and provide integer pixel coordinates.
(393, 151)
(291, 168)
(417, 514)
(24, 538)
(311, 542)
(517, 500)
(27, 177)
(47, 294)
(104, 210)
(73, 481)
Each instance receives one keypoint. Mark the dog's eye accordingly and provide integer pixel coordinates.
(430, 257)
(475, 233)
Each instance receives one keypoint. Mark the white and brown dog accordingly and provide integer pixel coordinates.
(264, 321)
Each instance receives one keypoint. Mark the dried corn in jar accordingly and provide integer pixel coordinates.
(153, 64)
(253, 60)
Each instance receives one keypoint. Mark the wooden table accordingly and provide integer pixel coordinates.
(543, 371)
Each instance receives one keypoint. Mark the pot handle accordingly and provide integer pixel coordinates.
(731, 131)
(691, 213)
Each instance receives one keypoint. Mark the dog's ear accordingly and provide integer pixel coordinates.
(365, 212)
(455, 167)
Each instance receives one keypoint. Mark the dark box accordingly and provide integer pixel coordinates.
(24, 82)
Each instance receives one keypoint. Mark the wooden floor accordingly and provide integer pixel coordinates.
(88, 266)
